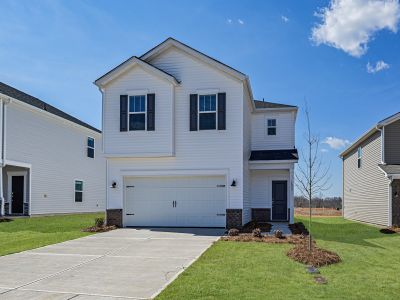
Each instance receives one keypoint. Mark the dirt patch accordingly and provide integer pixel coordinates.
(248, 237)
(318, 257)
(250, 226)
(5, 220)
(298, 228)
(99, 229)
(326, 212)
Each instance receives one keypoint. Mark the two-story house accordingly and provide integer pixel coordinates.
(188, 146)
(371, 175)
(50, 162)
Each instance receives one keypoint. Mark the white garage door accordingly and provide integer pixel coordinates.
(190, 201)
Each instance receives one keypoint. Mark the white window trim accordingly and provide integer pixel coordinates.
(267, 127)
(208, 111)
(83, 182)
(138, 112)
(359, 157)
(88, 147)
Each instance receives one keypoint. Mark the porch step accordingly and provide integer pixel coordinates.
(282, 226)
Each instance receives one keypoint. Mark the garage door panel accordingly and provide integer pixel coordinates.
(194, 201)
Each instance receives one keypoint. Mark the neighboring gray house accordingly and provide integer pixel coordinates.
(371, 175)
(50, 162)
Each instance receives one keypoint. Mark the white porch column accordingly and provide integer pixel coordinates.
(291, 194)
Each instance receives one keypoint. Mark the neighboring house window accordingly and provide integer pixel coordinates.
(207, 112)
(271, 126)
(78, 190)
(137, 112)
(90, 147)
(359, 155)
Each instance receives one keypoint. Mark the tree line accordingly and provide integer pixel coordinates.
(317, 202)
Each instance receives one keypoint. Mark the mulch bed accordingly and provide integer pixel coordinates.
(99, 229)
(248, 237)
(298, 228)
(250, 226)
(5, 220)
(318, 257)
(390, 230)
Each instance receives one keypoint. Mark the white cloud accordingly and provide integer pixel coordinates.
(336, 143)
(379, 66)
(324, 150)
(285, 19)
(229, 21)
(240, 21)
(350, 24)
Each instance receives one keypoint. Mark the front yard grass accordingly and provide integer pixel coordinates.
(29, 233)
(237, 270)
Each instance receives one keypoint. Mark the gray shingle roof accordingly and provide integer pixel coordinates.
(285, 154)
(265, 104)
(21, 96)
(390, 169)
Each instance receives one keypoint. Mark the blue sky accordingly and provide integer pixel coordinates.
(54, 50)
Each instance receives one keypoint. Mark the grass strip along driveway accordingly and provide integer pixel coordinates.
(249, 270)
(28, 233)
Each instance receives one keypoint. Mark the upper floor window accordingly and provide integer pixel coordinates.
(271, 126)
(137, 112)
(207, 112)
(78, 190)
(90, 147)
(359, 156)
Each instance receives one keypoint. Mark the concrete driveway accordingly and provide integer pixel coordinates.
(124, 263)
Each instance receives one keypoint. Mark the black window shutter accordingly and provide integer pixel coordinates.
(221, 111)
(123, 113)
(151, 101)
(193, 112)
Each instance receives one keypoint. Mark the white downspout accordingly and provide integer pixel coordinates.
(3, 111)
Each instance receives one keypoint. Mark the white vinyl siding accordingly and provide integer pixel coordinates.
(139, 143)
(366, 189)
(57, 151)
(261, 186)
(285, 133)
(194, 150)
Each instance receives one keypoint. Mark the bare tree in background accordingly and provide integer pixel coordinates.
(312, 177)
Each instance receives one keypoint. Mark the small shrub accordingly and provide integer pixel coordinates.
(278, 234)
(257, 233)
(99, 222)
(233, 232)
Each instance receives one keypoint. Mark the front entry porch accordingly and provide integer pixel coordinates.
(14, 199)
(271, 193)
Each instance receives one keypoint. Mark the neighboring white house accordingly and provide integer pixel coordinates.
(187, 145)
(50, 161)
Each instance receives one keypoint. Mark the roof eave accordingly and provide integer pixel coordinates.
(358, 141)
(172, 42)
(106, 78)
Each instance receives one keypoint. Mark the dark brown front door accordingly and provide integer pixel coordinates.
(17, 194)
(279, 201)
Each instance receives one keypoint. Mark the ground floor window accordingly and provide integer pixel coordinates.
(78, 190)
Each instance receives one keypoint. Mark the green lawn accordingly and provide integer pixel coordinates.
(29, 233)
(232, 270)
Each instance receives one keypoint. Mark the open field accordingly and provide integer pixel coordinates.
(304, 211)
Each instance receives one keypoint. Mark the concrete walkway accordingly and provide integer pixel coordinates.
(282, 226)
(120, 264)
